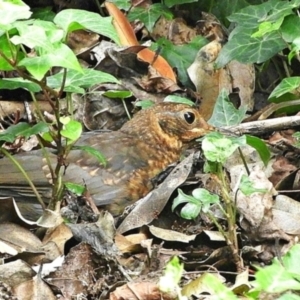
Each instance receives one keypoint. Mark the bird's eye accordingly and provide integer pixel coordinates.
(189, 117)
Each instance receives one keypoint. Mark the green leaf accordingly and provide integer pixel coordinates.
(172, 275)
(16, 83)
(72, 130)
(31, 36)
(218, 148)
(190, 211)
(247, 186)
(24, 130)
(177, 99)
(144, 103)
(295, 49)
(245, 49)
(76, 80)
(43, 13)
(267, 27)
(61, 56)
(92, 151)
(225, 113)
(216, 289)
(290, 28)
(118, 94)
(206, 198)
(287, 85)
(179, 56)
(11, 52)
(184, 198)
(11, 11)
(74, 19)
(276, 279)
(150, 14)
(170, 3)
(261, 148)
(290, 260)
(76, 189)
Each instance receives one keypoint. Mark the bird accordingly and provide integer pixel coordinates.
(135, 154)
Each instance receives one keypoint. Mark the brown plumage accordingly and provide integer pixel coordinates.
(135, 154)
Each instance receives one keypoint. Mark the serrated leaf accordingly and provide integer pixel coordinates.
(11, 11)
(287, 85)
(177, 99)
(150, 14)
(261, 148)
(92, 151)
(74, 19)
(76, 80)
(225, 113)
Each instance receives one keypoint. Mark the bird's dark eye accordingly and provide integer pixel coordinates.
(189, 117)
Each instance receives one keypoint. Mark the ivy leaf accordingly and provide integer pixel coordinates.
(74, 19)
(150, 15)
(287, 85)
(76, 81)
(261, 148)
(225, 113)
(24, 130)
(180, 56)
(61, 56)
(246, 49)
(11, 11)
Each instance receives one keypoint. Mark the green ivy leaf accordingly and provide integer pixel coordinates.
(61, 56)
(74, 19)
(76, 189)
(261, 148)
(22, 130)
(11, 11)
(247, 186)
(118, 94)
(180, 56)
(144, 103)
(245, 49)
(217, 148)
(177, 99)
(16, 83)
(170, 3)
(72, 130)
(11, 52)
(150, 14)
(76, 81)
(225, 113)
(287, 85)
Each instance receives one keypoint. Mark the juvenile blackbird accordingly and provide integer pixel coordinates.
(135, 154)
